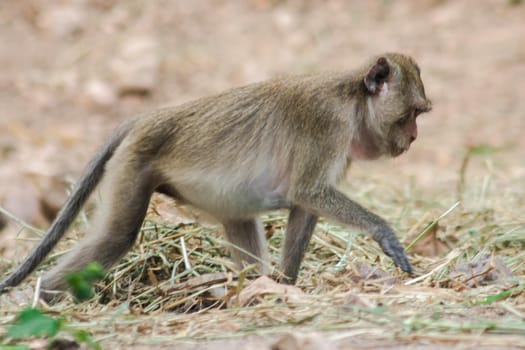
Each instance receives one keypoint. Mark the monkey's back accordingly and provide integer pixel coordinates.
(239, 145)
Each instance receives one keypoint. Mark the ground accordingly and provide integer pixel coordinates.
(73, 69)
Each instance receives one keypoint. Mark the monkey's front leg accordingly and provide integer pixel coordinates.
(329, 202)
(299, 230)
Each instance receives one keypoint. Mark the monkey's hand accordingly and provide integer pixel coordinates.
(388, 241)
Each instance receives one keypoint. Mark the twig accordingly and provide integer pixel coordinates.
(187, 263)
(37, 292)
(21, 222)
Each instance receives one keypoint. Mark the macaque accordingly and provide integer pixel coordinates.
(283, 143)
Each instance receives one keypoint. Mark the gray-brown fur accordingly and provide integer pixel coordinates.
(301, 225)
(283, 143)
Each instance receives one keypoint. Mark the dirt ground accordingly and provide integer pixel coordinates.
(73, 69)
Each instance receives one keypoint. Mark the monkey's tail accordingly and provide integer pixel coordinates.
(85, 186)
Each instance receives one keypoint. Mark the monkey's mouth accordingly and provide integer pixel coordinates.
(396, 150)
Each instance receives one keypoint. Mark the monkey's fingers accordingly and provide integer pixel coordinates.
(393, 249)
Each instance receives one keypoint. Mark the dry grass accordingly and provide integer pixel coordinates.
(469, 52)
(177, 283)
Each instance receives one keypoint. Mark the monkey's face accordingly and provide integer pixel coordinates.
(403, 132)
(396, 99)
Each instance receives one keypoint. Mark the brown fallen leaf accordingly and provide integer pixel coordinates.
(175, 214)
(488, 269)
(166, 208)
(264, 286)
(370, 274)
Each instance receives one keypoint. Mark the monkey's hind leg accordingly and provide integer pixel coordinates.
(249, 243)
(125, 199)
(301, 225)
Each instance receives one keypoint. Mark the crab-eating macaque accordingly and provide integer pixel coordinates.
(282, 143)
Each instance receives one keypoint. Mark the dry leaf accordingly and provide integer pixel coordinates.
(367, 273)
(265, 285)
(175, 213)
(486, 270)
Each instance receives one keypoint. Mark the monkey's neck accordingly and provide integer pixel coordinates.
(363, 146)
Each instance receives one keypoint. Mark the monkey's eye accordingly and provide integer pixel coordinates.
(403, 120)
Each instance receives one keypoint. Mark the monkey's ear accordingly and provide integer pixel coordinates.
(377, 76)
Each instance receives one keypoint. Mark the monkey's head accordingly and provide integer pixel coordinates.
(395, 97)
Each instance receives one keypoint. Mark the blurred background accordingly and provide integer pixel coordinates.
(71, 70)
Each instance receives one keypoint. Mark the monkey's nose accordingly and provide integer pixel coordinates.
(412, 139)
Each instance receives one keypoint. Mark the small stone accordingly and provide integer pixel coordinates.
(100, 93)
(62, 20)
(136, 65)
